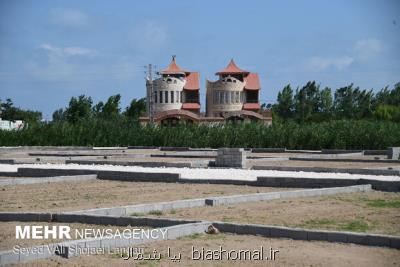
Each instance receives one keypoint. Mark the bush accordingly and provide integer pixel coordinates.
(122, 131)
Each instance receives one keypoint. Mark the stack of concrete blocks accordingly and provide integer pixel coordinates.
(393, 153)
(231, 158)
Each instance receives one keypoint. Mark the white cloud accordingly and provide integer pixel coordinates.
(69, 17)
(149, 36)
(368, 48)
(67, 51)
(323, 63)
(55, 63)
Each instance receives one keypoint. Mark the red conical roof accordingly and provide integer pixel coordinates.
(232, 69)
(173, 68)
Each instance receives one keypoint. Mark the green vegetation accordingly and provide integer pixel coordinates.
(381, 203)
(156, 212)
(311, 104)
(308, 118)
(122, 131)
(11, 113)
(357, 225)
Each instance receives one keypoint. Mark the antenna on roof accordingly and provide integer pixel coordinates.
(173, 57)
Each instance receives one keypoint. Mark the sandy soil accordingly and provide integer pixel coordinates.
(373, 212)
(291, 253)
(8, 240)
(101, 194)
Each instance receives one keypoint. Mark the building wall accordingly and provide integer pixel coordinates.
(170, 86)
(224, 95)
(11, 125)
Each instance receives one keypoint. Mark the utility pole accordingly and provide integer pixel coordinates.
(150, 94)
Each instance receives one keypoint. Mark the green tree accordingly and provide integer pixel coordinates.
(344, 102)
(284, 107)
(136, 108)
(59, 115)
(307, 101)
(325, 104)
(12, 113)
(79, 109)
(111, 108)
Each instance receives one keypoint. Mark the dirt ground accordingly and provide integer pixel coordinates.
(373, 212)
(290, 253)
(100, 194)
(8, 239)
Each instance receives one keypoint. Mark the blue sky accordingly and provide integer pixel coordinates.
(52, 50)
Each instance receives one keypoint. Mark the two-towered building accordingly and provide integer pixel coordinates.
(175, 96)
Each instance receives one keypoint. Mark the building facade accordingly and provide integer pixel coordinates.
(236, 90)
(175, 89)
(175, 97)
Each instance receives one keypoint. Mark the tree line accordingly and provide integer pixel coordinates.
(311, 103)
(82, 108)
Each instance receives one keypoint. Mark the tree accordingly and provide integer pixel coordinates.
(306, 101)
(325, 105)
(363, 103)
(59, 115)
(79, 109)
(284, 107)
(9, 112)
(111, 107)
(98, 109)
(344, 102)
(136, 108)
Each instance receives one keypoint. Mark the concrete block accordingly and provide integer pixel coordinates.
(358, 238)
(393, 153)
(378, 240)
(8, 257)
(337, 237)
(395, 242)
(317, 235)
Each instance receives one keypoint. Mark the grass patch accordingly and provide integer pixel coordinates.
(193, 236)
(172, 212)
(358, 225)
(317, 223)
(381, 203)
(156, 212)
(355, 226)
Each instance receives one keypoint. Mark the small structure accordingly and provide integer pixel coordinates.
(231, 158)
(11, 125)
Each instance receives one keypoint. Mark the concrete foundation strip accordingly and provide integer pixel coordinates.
(37, 180)
(300, 182)
(310, 235)
(71, 248)
(347, 160)
(227, 200)
(153, 164)
(106, 175)
(332, 170)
